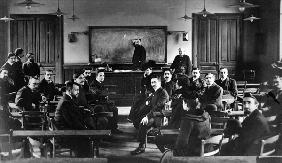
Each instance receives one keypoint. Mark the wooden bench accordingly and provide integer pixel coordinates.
(94, 134)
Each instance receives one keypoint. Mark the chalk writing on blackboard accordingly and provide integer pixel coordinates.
(114, 44)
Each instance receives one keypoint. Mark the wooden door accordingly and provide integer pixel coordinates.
(216, 42)
(41, 35)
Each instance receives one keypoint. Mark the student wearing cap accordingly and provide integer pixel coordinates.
(30, 68)
(228, 84)
(253, 127)
(139, 55)
(101, 96)
(211, 98)
(148, 119)
(183, 61)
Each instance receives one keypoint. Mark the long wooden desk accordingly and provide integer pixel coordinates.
(64, 133)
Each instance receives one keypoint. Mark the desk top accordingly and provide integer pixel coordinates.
(58, 133)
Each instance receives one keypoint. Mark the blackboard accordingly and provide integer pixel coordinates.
(114, 44)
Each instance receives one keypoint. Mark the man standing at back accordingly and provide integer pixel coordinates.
(139, 55)
(181, 61)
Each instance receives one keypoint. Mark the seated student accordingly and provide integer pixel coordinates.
(212, 94)
(88, 78)
(195, 126)
(251, 129)
(146, 90)
(228, 85)
(28, 97)
(30, 67)
(47, 87)
(87, 109)
(168, 84)
(101, 95)
(180, 93)
(11, 69)
(6, 87)
(196, 84)
(69, 117)
(156, 104)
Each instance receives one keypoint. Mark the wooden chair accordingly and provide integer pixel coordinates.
(269, 145)
(216, 141)
(33, 120)
(61, 149)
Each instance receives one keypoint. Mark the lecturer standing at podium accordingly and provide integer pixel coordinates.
(139, 55)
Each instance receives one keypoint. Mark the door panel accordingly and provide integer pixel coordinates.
(216, 41)
(41, 35)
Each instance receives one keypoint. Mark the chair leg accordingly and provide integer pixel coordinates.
(54, 150)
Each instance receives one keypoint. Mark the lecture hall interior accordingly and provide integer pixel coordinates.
(115, 71)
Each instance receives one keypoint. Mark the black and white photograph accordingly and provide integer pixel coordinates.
(140, 81)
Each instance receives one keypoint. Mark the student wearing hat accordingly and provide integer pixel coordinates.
(181, 61)
(253, 127)
(30, 68)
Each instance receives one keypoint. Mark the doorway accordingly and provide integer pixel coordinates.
(43, 36)
(217, 42)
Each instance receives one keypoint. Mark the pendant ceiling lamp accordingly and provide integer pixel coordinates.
(73, 17)
(28, 4)
(252, 18)
(59, 12)
(204, 12)
(185, 17)
(6, 19)
(242, 5)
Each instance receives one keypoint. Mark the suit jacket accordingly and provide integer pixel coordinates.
(169, 87)
(16, 74)
(196, 87)
(31, 69)
(195, 126)
(25, 98)
(229, 86)
(99, 91)
(146, 84)
(212, 95)
(68, 115)
(253, 127)
(181, 61)
(157, 102)
(48, 89)
(139, 55)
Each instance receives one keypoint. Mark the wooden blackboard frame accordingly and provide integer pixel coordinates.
(93, 28)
